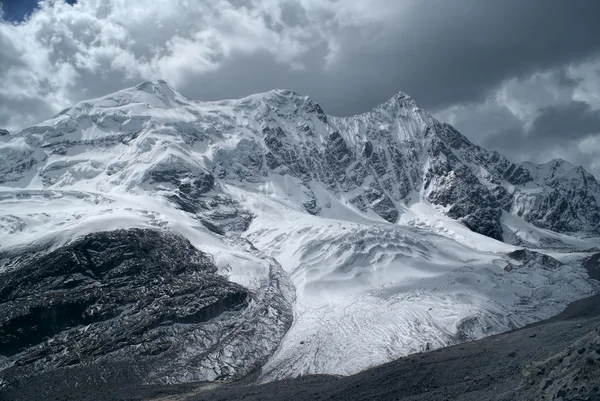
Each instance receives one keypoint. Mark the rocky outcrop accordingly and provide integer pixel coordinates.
(143, 298)
(568, 200)
(523, 258)
(592, 265)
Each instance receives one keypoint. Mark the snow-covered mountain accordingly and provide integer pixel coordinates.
(383, 233)
(379, 162)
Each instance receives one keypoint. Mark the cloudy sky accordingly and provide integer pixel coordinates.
(521, 77)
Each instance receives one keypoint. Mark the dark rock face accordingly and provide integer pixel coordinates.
(454, 185)
(592, 265)
(141, 297)
(517, 175)
(377, 200)
(383, 160)
(224, 213)
(554, 359)
(527, 258)
(195, 190)
(570, 211)
(188, 182)
(569, 203)
(4, 132)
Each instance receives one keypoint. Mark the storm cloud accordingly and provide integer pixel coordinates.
(520, 77)
(569, 121)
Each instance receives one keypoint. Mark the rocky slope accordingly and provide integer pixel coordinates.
(145, 299)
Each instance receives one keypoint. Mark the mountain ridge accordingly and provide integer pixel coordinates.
(391, 152)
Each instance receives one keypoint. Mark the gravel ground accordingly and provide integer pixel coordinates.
(557, 359)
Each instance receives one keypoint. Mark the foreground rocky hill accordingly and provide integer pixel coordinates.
(553, 360)
(144, 299)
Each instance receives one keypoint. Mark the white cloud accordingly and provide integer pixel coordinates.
(63, 52)
(504, 120)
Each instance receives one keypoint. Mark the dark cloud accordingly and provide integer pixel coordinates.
(292, 14)
(443, 53)
(574, 120)
(554, 125)
(545, 115)
(569, 131)
(457, 51)
(440, 52)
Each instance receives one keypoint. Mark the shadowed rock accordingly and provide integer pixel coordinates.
(140, 297)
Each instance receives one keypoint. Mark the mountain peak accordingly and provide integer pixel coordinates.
(166, 95)
(155, 94)
(285, 96)
(153, 86)
(284, 92)
(399, 100)
(274, 96)
(297, 208)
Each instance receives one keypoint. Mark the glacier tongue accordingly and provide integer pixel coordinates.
(389, 224)
(368, 293)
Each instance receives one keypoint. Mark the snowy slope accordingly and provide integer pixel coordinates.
(386, 223)
(370, 293)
